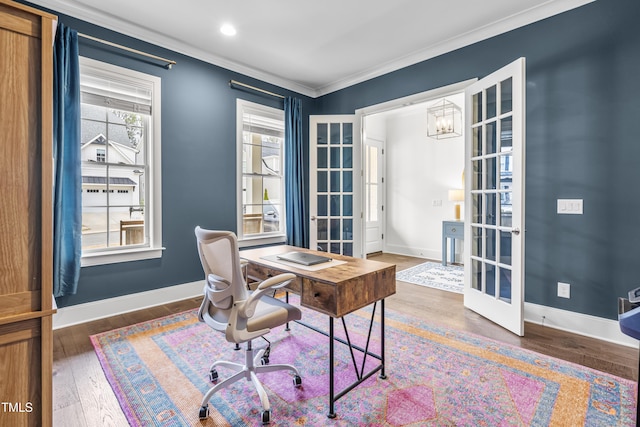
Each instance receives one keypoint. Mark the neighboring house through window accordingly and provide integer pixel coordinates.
(120, 152)
(260, 177)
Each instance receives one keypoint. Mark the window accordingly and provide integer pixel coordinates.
(260, 178)
(120, 153)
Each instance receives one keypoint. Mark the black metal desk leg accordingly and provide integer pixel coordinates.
(382, 352)
(332, 412)
(286, 299)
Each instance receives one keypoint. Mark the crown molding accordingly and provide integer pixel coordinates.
(529, 16)
(75, 9)
(113, 23)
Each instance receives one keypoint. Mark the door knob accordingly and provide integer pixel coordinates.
(313, 217)
(515, 231)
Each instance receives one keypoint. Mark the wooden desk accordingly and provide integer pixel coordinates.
(334, 291)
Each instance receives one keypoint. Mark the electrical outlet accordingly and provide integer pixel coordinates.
(436, 203)
(564, 290)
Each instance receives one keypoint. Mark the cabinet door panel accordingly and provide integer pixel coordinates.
(20, 163)
(20, 360)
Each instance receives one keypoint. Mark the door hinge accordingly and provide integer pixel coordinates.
(382, 236)
(382, 179)
(382, 208)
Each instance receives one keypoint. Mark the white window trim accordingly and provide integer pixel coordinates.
(155, 248)
(262, 239)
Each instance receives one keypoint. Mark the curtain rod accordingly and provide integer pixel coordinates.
(169, 62)
(236, 83)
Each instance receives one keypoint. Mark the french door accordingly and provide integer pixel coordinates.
(494, 208)
(335, 208)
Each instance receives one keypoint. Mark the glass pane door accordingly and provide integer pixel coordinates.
(494, 264)
(491, 190)
(332, 184)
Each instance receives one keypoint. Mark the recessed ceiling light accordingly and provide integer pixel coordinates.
(228, 30)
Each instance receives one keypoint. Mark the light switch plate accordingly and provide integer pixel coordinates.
(570, 206)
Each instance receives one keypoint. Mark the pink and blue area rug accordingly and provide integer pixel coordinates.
(436, 377)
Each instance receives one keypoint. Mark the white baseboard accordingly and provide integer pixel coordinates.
(569, 321)
(81, 313)
(577, 323)
(410, 251)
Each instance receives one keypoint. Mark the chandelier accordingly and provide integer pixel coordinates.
(444, 120)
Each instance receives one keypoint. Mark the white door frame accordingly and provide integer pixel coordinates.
(417, 98)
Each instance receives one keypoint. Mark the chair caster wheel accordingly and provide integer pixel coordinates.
(213, 376)
(264, 360)
(266, 417)
(204, 412)
(297, 381)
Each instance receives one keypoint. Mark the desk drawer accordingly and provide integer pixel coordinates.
(453, 230)
(319, 296)
(258, 273)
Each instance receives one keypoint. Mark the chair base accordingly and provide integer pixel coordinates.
(254, 364)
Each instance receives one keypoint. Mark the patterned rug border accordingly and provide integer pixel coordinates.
(413, 275)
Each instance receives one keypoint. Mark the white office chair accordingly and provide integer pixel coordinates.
(243, 315)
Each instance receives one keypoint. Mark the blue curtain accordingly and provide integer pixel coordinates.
(67, 195)
(294, 173)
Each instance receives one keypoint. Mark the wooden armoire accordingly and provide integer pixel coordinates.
(26, 168)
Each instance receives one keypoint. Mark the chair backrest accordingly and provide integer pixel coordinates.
(224, 282)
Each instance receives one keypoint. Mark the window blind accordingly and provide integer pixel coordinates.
(99, 87)
(263, 123)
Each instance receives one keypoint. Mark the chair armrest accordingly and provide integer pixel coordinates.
(276, 282)
(248, 307)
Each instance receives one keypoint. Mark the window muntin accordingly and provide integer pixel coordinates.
(261, 178)
(120, 155)
(118, 172)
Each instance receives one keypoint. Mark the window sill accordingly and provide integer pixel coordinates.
(261, 240)
(89, 260)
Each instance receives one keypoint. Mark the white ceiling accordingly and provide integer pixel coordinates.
(317, 47)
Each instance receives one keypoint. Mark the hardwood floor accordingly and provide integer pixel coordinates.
(82, 396)
(447, 308)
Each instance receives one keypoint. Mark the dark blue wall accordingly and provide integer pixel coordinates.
(583, 86)
(583, 110)
(198, 162)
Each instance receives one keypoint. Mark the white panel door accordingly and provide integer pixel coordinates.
(373, 194)
(335, 208)
(494, 186)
